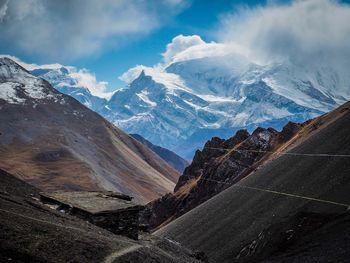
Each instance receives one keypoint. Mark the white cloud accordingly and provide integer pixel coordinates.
(132, 73)
(206, 50)
(86, 79)
(184, 48)
(179, 44)
(72, 29)
(3, 10)
(175, 2)
(300, 32)
(305, 32)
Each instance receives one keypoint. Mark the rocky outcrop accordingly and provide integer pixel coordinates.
(219, 165)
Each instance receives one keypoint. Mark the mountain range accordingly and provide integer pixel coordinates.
(53, 142)
(265, 196)
(279, 196)
(182, 105)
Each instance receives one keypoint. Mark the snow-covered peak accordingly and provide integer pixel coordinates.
(80, 84)
(210, 75)
(68, 79)
(31, 66)
(18, 86)
(192, 100)
(170, 81)
(10, 70)
(60, 78)
(320, 87)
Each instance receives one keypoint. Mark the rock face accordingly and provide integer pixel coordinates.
(219, 165)
(170, 157)
(55, 143)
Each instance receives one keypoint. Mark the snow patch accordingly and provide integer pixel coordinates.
(18, 85)
(8, 92)
(144, 97)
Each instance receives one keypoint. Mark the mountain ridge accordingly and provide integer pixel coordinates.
(59, 144)
(220, 164)
(183, 105)
(281, 206)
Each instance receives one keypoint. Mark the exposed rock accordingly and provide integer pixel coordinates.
(219, 165)
(294, 208)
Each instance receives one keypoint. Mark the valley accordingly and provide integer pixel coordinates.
(174, 131)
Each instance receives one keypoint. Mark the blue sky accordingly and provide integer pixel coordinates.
(196, 17)
(200, 18)
(108, 37)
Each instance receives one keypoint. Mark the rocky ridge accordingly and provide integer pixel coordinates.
(219, 165)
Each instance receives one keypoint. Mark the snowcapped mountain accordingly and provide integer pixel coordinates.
(17, 86)
(63, 81)
(184, 104)
(191, 101)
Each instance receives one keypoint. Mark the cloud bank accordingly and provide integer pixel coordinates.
(300, 32)
(84, 78)
(307, 33)
(81, 27)
(184, 48)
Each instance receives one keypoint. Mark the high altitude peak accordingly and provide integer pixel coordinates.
(18, 86)
(64, 70)
(8, 66)
(6, 60)
(145, 78)
(142, 74)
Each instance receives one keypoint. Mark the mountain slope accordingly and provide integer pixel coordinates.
(170, 157)
(57, 143)
(219, 165)
(33, 232)
(273, 212)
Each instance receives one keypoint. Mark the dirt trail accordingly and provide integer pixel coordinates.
(116, 254)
